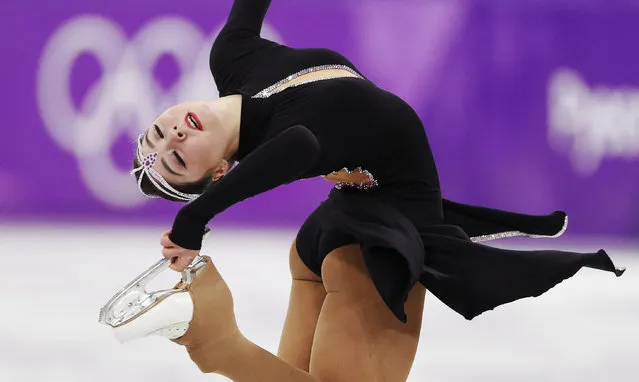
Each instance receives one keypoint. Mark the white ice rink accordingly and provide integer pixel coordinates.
(56, 279)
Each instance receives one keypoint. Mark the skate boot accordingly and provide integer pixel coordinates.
(134, 312)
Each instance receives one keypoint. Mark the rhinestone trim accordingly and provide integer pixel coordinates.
(509, 234)
(372, 182)
(497, 236)
(274, 89)
(146, 167)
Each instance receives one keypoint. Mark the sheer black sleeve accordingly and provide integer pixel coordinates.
(236, 49)
(247, 15)
(281, 160)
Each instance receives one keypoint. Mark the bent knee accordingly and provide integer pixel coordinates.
(299, 270)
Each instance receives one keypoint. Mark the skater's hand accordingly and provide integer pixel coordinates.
(182, 257)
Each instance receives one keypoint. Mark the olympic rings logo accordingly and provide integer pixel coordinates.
(126, 98)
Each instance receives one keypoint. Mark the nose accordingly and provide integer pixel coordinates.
(177, 133)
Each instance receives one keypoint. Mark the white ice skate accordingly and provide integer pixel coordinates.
(134, 312)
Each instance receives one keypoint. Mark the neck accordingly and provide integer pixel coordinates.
(229, 112)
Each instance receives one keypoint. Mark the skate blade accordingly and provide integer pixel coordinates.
(134, 300)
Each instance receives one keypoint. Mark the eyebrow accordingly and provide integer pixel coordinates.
(148, 141)
(166, 166)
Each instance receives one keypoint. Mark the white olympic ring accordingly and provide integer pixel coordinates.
(126, 98)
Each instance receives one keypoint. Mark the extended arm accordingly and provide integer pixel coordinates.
(281, 160)
(247, 15)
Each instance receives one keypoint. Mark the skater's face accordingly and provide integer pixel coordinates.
(189, 143)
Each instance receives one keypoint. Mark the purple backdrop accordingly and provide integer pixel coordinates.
(531, 107)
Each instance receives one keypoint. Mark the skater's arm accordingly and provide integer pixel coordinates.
(239, 47)
(247, 15)
(281, 160)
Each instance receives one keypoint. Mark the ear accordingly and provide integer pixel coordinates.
(221, 170)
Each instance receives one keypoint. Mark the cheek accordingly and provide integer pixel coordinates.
(201, 157)
(209, 146)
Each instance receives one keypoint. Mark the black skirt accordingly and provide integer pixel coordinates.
(448, 258)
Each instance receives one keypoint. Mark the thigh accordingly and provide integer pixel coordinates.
(305, 302)
(357, 337)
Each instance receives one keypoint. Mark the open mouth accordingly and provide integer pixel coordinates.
(193, 121)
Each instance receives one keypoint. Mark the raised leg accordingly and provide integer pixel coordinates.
(356, 339)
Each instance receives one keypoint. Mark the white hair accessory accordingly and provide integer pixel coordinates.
(146, 168)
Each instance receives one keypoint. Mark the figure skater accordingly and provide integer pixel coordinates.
(362, 261)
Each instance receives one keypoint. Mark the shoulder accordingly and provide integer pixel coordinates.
(236, 51)
(237, 44)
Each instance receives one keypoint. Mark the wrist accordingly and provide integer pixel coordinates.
(187, 232)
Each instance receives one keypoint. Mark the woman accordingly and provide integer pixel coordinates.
(361, 262)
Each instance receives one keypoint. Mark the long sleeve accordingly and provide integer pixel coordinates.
(281, 160)
(236, 49)
(247, 15)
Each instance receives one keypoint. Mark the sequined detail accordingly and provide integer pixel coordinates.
(275, 88)
(497, 236)
(509, 234)
(146, 168)
(370, 183)
(149, 160)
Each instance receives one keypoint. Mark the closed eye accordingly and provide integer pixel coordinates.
(179, 159)
(158, 131)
